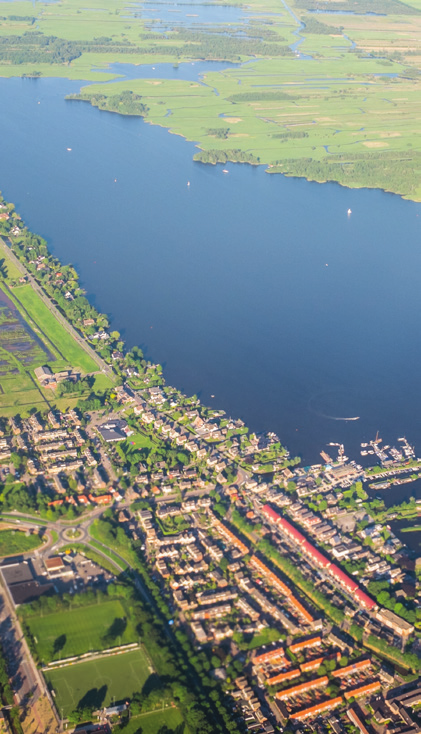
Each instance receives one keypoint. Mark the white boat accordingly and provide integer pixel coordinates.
(224, 170)
(349, 211)
(68, 149)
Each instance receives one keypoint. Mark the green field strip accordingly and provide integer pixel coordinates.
(76, 631)
(114, 677)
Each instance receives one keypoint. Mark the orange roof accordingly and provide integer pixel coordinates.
(311, 664)
(277, 652)
(318, 708)
(55, 503)
(83, 500)
(276, 581)
(103, 499)
(299, 607)
(284, 676)
(303, 687)
(342, 672)
(369, 688)
(54, 563)
(231, 537)
(312, 642)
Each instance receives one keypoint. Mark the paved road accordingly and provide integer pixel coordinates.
(24, 675)
(104, 367)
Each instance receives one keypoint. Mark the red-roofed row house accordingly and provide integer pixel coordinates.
(317, 557)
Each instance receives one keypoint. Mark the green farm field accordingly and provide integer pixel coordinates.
(67, 350)
(97, 683)
(76, 631)
(31, 336)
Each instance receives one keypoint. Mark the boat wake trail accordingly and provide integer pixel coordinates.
(326, 415)
(335, 418)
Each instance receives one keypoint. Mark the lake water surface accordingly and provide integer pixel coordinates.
(258, 289)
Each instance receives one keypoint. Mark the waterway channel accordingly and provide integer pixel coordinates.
(258, 289)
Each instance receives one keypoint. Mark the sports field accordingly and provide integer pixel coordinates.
(100, 682)
(76, 631)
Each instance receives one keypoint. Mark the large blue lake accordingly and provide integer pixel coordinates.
(258, 289)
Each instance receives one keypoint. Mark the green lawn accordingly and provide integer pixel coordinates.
(74, 632)
(10, 269)
(140, 441)
(13, 542)
(99, 682)
(152, 723)
(64, 345)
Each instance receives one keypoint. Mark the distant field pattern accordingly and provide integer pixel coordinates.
(329, 94)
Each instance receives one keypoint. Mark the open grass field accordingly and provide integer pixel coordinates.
(344, 105)
(152, 723)
(31, 336)
(74, 632)
(14, 542)
(99, 682)
(140, 441)
(65, 347)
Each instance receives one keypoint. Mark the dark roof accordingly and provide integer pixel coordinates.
(29, 591)
(18, 573)
(113, 430)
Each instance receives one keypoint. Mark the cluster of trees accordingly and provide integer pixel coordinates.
(379, 7)
(258, 97)
(290, 134)
(312, 25)
(381, 591)
(7, 697)
(218, 132)
(205, 45)
(222, 156)
(34, 47)
(386, 170)
(23, 18)
(385, 649)
(125, 103)
(24, 498)
(70, 387)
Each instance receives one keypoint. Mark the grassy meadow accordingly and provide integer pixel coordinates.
(67, 633)
(14, 542)
(31, 336)
(65, 348)
(99, 682)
